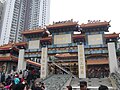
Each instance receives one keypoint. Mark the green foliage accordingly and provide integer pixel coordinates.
(118, 52)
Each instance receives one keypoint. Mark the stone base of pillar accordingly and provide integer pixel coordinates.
(21, 62)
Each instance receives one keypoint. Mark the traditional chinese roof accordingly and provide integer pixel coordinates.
(113, 35)
(21, 44)
(6, 47)
(33, 31)
(96, 62)
(95, 24)
(75, 36)
(97, 55)
(46, 39)
(63, 24)
(65, 55)
(8, 58)
(9, 47)
(78, 36)
(33, 63)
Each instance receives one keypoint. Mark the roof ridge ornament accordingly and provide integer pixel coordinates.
(62, 22)
(93, 21)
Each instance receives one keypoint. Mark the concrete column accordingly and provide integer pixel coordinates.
(113, 64)
(44, 63)
(81, 62)
(21, 62)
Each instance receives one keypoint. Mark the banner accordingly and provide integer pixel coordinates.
(81, 62)
(44, 69)
(113, 63)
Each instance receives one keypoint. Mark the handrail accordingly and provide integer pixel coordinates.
(64, 70)
(112, 82)
(53, 61)
(115, 79)
(67, 83)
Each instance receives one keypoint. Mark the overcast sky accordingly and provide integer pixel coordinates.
(84, 10)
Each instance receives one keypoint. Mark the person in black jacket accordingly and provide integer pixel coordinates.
(36, 86)
(69, 87)
(19, 86)
(2, 76)
(83, 85)
(103, 87)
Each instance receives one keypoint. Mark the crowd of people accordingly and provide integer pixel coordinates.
(25, 80)
(83, 86)
(22, 80)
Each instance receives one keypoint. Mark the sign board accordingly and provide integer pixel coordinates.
(81, 62)
(44, 63)
(62, 39)
(95, 39)
(35, 44)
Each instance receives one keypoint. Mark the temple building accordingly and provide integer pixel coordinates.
(92, 53)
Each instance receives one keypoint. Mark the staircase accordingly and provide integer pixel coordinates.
(56, 82)
(64, 70)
